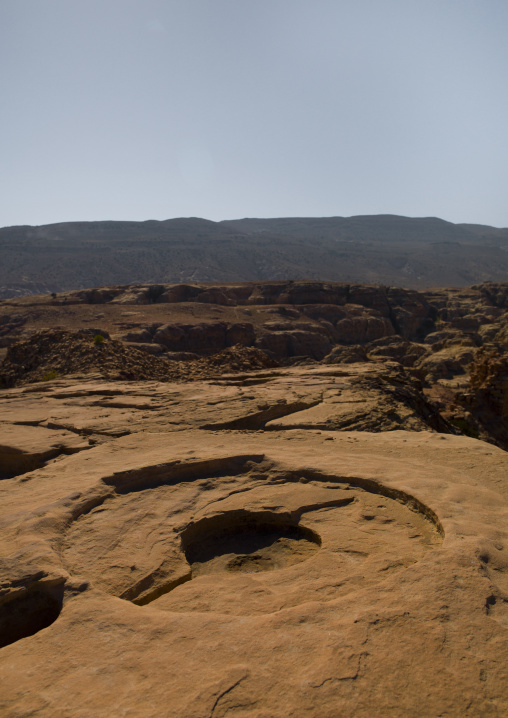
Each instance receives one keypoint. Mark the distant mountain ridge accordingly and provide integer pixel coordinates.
(377, 249)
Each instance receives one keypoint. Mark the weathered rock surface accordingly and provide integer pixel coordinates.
(24, 448)
(49, 354)
(228, 546)
(286, 319)
(484, 403)
(435, 334)
(230, 536)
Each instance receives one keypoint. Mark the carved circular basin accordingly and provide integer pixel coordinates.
(219, 545)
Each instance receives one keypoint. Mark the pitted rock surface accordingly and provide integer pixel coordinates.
(232, 546)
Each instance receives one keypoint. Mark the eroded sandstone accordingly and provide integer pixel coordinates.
(257, 570)
(260, 541)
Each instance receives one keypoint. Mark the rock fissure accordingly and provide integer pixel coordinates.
(257, 421)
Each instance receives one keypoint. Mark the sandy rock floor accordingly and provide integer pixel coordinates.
(230, 548)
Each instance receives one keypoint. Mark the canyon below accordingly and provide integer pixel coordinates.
(258, 499)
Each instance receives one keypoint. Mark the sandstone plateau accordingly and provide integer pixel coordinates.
(258, 500)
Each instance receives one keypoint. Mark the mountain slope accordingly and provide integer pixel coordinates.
(382, 249)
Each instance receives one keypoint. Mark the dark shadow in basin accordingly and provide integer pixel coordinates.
(28, 614)
(247, 542)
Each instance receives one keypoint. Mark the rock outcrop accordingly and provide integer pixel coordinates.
(49, 354)
(286, 319)
(436, 335)
(485, 399)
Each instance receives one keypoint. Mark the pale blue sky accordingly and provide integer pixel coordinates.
(152, 109)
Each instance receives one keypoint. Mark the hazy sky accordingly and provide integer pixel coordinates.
(152, 109)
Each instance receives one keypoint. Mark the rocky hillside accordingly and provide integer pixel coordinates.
(49, 354)
(384, 249)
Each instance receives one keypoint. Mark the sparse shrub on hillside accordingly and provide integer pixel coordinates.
(98, 339)
(464, 426)
(50, 375)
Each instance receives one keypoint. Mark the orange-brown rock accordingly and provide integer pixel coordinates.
(230, 546)
(189, 529)
(317, 316)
